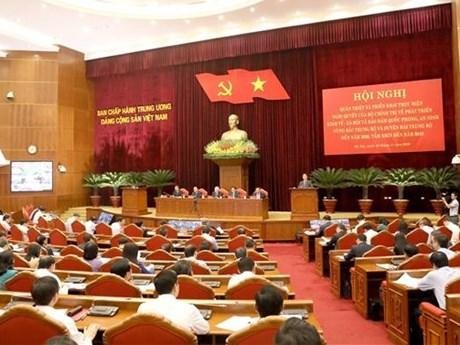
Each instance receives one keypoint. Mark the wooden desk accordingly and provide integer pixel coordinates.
(453, 319)
(339, 270)
(308, 241)
(321, 258)
(221, 310)
(246, 209)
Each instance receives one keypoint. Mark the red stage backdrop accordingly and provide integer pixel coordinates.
(384, 118)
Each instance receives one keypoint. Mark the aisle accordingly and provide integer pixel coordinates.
(340, 322)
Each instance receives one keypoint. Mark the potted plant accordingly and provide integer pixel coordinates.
(134, 179)
(115, 180)
(401, 178)
(329, 179)
(159, 178)
(94, 181)
(365, 178)
(438, 179)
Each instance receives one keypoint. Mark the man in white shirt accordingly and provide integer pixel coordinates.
(207, 236)
(190, 255)
(178, 312)
(440, 242)
(369, 232)
(360, 221)
(425, 225)
(453, 207)
(6, 222)
(246, 268)
(90, 225)
(455, 231)
(70, 220)
(439, 277)
(24, 229)
(45, 295)
(117, 226)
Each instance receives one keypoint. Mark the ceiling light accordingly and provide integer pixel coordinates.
(456, 159)
(221, 17)
(252, 9)
(187, 21)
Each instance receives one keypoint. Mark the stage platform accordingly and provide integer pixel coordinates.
(277, 227)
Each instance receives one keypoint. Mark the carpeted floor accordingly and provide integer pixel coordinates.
(340, 322)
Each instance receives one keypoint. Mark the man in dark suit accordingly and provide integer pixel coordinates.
(340, 231)
(177, 193)
(234, 194)
(326, 224)
(259, 194)
(196, 194)
(305, 183)
(217, 193)
(359, 248)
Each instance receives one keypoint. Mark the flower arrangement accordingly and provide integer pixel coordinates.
(227, 149)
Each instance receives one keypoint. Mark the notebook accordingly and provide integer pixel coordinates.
(103, 310)
(300, 313)
(74, 280)
(206, 313)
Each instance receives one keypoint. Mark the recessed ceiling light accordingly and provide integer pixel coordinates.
(252, 9)
(262, 19)
(187, 21)
(221, 17)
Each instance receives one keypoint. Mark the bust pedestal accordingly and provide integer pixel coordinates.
(233, 172)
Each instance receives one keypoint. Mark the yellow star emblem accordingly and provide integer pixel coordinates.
(258, 84)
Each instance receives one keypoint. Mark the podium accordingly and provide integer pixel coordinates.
(134, 201)
(304, 203)
(233, 172)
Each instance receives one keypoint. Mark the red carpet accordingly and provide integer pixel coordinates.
(340, 322)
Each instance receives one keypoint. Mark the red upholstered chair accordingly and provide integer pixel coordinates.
(198, 269)
(455, 247)
(417, 236)
(81, 237)
(139, 328)
(57, 238)
(160, 254)
(112, 252)
(384, 238)
(441, 220)
(103, 229)
(455, 261)
(16, 234)
(242, 193)
(233, 232)
(77, 227)
(57, 223)
(73, 263)
(255, 256)
(347, 241)
(185, 192)
(195, 241)
(445, 231)
(32, 234)
(418, 261)
(424, 248)
(24, 324)
(224, 192)
(71, 249)
(21, 282)
(262, 332)
(330, 230)
(394, 225)
(190, 288)
(360, 228)
(26, 211)
(248, 289)
(170, 231)
(112, 285)
(115, 240)
(207, 255)
(199, 230)
(378, 251)
(132, 230)
(155, 242)
(237, 242)
(105, 267)
(42, 223)
(19, 261)
(232, 268)
(204, 192)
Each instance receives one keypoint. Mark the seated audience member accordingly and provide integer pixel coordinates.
(340, 232)
(87, 237)
(190, 255)
(403, 227)
(258, 194)
(360, 220)
(382, 224)
(123, 269)
(178, 312)
(183, 267)
(177, 193)
(2, 214)
(241, 252)
(359, 248)
(204, 245)
(196, 194)
(4, 244)
(250, 245)
(216, 193)
(296, 331)
(167, 247)
(70, 220)
(440, 243)
(24, 229)
(246, 270)
(234, 194)
(410, 250)
(369, 232)
(269, 301)
(46, 267)
(455, 231)
(33, 253)
(90, 225)
(327, 223)
(439, 277)
(42, 241)
(60, 340)
(400, 243)
(45, 295)
(91, 255)
(140, 224)
(37, 213)
(207, 236)
(131, 252)
(163, 231)
(6, 267)
(6, 222)
(117, 225)
(425, 225)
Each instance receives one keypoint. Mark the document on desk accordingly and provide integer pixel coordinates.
(387, 266)
(310, 232)
(235, 323)
(408, 281)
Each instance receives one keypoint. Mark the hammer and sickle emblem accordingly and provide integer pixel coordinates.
(226, 89)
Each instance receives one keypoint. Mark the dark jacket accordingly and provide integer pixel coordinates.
(358, 250)
(323, 227)
(332, 243)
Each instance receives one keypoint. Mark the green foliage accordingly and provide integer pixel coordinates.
(115, 180)
(329, 179)
(94, 181)
(159, 178)
(401, 178)
(438, 178)
(365, 178)
(134, 179)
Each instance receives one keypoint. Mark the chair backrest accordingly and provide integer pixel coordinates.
(57, 223)
(237, 242)
(441, 220)
(190, 288)
(207, 255)
(139, 328)
(263, 332)
(233, 232)
(255, 256)
(112, 285)
(445, 231)
(24, 324)
(195, 241)
(224, 192)
(330, 230)
(77, 227)
(347, 241)
(242, 193)
(42, 223)
(115, 240)
(230, 268)
(155, 242)
(384, 238)
(198, 269)
(171, 231)
(71, 249)
(455, 247)
(26, 211)
(73, 263)
(199, 230)
(204, 192)
(19, 261)
(81, 237)
(248, 289)
(21, 282)
(15, 233)
(103, 229)
(184, 192)
(453, 286)
(160, 254)
(393, 226)
(112, 252)
(32, 234)
(107, 266)
(378, 251)
(455, 261)
(417, 236)
(57, 238)
(424, 248)
(418, 261)
(132, 230)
